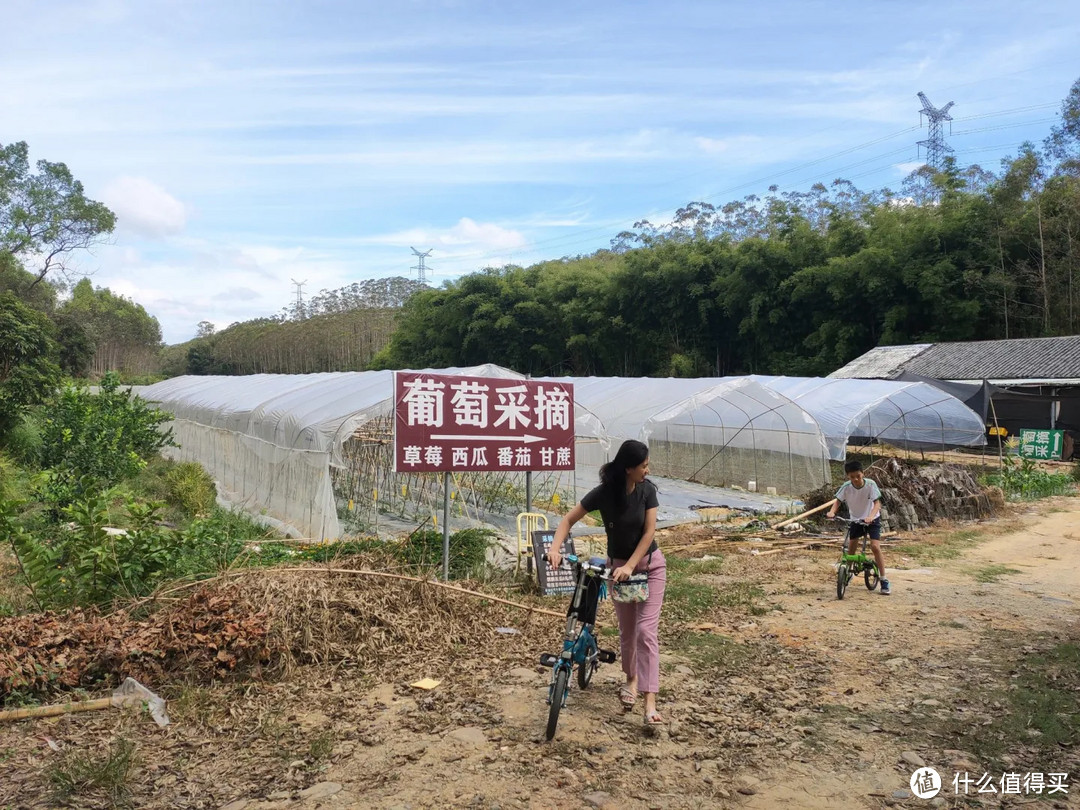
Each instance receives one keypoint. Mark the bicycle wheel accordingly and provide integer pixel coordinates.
(585, 671)
(557, 695)
(870, 574)
(841, 580)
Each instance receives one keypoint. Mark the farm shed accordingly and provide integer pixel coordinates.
(1014, 384)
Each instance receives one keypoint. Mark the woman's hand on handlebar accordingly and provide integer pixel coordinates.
(622, 573)
(554, 558)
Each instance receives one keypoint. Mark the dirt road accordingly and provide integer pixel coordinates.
(777, 693)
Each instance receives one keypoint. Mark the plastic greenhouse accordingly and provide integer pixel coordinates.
(271, 440)
(904, 414)
(714, 431)
(313, 453)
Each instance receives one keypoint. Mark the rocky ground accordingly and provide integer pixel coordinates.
(777, 695)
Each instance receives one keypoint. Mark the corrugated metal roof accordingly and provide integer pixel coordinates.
(1056, 358)
(882, 362)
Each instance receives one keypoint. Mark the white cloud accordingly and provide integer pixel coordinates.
(144, 208)
(716, 146)
(467, 234)
(486, 235)
(907, 168)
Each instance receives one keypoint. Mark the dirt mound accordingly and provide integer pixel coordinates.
(259, 623)
(914, 496)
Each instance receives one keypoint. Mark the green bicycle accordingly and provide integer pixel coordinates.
(851, 564)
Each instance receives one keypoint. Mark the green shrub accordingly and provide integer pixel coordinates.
(8, 475)
(96, 440)
(468, 551)
(89, 565)
(1025, 481)
(23, 441)
(191, 488)
(217, 539)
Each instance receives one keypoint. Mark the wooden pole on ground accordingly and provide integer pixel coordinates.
(813, 511)
(57, 709)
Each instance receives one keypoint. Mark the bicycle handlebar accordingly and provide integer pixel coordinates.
(601, 570)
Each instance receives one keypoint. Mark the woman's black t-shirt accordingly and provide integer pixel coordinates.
(625, 523)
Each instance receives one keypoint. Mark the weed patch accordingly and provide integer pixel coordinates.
(992, 573)
(949, 547)
(1028, 717)
(687, 599)
(711, 652)
(321, 747)
(88, 775)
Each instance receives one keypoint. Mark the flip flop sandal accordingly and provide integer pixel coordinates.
(654, 718)
(627, 697)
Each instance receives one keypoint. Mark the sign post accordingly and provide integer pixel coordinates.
(449, 423)
(446, 527)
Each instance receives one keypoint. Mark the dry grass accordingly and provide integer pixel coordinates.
(14, 596)
(377, 626)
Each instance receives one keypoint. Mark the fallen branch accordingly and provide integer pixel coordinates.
(364, 573)
(823, 541)
(754, 552)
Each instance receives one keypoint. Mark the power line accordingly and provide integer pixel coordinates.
(1003, 126)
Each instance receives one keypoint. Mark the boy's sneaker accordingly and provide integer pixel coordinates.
(885, 587)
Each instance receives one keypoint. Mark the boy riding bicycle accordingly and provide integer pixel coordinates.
(863, 499)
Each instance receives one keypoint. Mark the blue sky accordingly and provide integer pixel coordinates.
(245, 144)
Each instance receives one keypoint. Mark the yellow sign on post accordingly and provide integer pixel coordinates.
(528, 522)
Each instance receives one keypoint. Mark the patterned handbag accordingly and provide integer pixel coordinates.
(635, 589)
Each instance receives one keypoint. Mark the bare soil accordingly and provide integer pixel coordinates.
(777, 695)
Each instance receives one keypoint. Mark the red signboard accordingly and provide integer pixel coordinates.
(445, 423)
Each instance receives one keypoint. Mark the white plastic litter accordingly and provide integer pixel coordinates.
(131, 691)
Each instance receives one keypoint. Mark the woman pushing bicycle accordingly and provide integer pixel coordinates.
(627, 503)
(863, 499)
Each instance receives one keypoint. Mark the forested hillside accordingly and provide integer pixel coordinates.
(336, 330)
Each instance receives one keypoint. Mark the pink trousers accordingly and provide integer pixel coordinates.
(639, 626)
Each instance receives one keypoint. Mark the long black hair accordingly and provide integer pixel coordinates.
(632, 453)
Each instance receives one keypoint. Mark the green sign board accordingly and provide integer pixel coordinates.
(1041, 444)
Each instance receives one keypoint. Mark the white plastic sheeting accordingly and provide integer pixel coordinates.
(269, 439)
(904, 414)
(716, 431)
